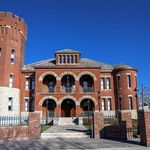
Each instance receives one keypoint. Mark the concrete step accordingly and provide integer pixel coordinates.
(63, 121)
(64, 135)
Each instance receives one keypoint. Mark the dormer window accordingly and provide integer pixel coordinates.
(72, 59)
(66, 57)
(75, 58)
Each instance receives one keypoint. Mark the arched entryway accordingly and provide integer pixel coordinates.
(48, 108)
(87, 106)
(68, 108)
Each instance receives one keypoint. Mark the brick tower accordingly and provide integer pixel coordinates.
(13, 34)
(126, 85)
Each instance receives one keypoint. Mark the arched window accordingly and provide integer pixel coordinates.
(12, 57)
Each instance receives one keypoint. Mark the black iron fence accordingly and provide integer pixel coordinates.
(110, 119)
(88, 89)
(13, 120)
(86, 114)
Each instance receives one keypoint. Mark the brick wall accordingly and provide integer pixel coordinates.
(144, 127)
(13, 132)
(32, 130)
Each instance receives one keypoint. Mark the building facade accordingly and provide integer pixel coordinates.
(65, 86)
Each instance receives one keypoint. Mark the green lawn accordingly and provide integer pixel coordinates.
(45, 127)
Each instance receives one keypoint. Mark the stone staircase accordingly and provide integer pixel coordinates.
(63, 121)
(64, 135)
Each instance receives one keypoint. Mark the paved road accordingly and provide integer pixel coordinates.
(66, 144)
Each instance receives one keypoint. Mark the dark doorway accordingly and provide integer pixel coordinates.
(68, 108)
(87, 106)
(48, 108)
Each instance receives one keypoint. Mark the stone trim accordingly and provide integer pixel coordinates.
(68, 73)
(47, 97)
(48, 73)
(68, 97)
(88, 97)
(87, 73)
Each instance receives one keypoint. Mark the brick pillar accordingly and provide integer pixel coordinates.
(144, 126)
(58, 86)
(58, 111)
(125, 120)
(78, 110)
(98, 124)
(77, 90)
(34, 125)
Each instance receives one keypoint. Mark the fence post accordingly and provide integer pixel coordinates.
(125, 121)
(144, 126)
(98, 124)
(34, 125)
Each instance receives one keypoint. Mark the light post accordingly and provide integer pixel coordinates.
(137, 107)
(47, 112)
(99, 101)
(88, 103)
(88, 107)
(137, 99)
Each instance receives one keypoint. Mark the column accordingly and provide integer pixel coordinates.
(144, 126)
(34, 125)
(125, 120)
(98, 124)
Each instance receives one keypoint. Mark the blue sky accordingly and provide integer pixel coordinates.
(111, 31)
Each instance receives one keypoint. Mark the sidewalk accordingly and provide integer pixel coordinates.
(67, 144)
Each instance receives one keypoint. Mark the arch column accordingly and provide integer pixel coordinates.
(58, 110)
(77, 84)
(58, 86)
(78, 110)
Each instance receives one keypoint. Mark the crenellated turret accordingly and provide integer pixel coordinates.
(13, 35)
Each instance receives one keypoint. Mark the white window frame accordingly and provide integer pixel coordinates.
(103, 104)
(26, 104)
(130, 102)
(11, 80)
(27, 83)
(12, 56)
(129, 81)
(10, 103)
(108, 86)
(102, 83)
(118, 81)
(109, 106)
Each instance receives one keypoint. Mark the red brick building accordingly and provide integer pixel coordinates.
(65, 85)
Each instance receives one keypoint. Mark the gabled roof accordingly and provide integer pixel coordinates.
(84, 62)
